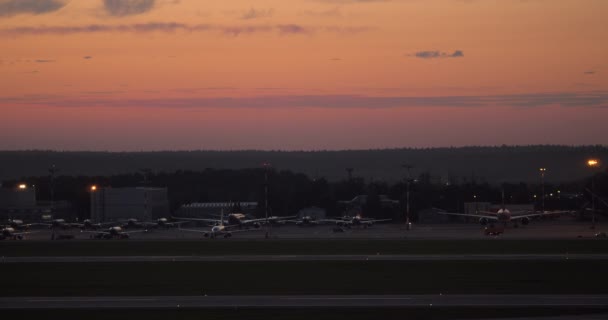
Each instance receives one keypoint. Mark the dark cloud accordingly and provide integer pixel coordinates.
(564, 99)
(171, 27)
(457, 54)
(257, 14)
(43, 61)
(438, 54)
(14, 7)
(121, 8)
(292, 29)
(590, 72)
(87, 57)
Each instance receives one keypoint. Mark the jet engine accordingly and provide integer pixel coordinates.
(483, 221)
(525, 221)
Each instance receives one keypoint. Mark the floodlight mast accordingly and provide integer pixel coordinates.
(542, 183)
(408, 167)
(593, 164)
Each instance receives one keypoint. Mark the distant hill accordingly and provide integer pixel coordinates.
(491, 164)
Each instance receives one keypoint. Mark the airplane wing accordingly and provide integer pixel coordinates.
(285, 218)
(254, 220)
(539, 214)
(489, 213)
(375, 220)
(334, 220)
(241, 230)
(209, 231)
(300, 221)
(194, 230)
(23, 232)
(489, 217)
(178, 223)
(95, 232)
(134, 231)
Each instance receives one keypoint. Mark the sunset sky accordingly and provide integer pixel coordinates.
(301, 74)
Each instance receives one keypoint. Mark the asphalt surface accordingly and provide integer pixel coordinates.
(270, 258)
(578, 301)
(564, 228)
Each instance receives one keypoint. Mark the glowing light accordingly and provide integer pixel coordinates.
(22, 186)
(542, 170)
(593, 162)
(93, 188)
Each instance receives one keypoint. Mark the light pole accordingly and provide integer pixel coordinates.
(407, 196)
(268, 227)
(93, 214)
(542, 183)
(52, 171)
(476, 204)
(350, 174)
(593, 163)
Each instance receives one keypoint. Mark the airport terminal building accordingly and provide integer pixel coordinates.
(213, 209)
(21, 203)
(141, 203)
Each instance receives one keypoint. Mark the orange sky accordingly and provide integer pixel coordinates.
(301, 74)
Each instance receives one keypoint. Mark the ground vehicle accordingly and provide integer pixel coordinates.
(493, 230)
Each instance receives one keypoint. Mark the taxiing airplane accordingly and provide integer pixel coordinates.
(504, 216)
(218, 228)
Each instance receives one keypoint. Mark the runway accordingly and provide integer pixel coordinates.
(299, 301)
(270, 258)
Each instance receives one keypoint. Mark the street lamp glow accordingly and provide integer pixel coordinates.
(93, 188)
(22, 186)
(542, 169)
(593, 162)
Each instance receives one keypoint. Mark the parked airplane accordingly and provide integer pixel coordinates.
(112, 232)
(90, 225)
(11, 233)
(503, 215)
(354, 221)
(218, 229)
(158, 223)
(305, 221)
(60, 224)
(19, 225)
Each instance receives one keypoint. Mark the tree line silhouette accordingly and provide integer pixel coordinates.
(290, 192)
